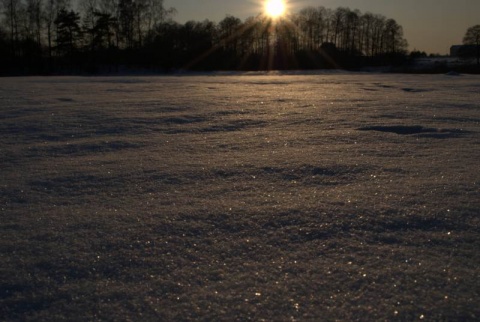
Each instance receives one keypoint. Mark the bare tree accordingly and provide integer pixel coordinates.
(353, 23)
(394, 41)
(112, 8)
(34, 19)
(126, 12)
(377, 39)
(49, 15)
(157, 14)
(228, 32)
(472, 37)
(307, 21)
(88, 9)
(367, 21)
(12, 12)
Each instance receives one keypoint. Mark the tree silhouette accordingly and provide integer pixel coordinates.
(69, 31)
(12, 9)
(49, 15)
(4, 50)
(472, 37)
(34, 20)
(127, 17)
(109, 34)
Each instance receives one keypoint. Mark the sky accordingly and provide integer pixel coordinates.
(429, 25)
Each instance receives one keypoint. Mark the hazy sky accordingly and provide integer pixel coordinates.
(429, 25)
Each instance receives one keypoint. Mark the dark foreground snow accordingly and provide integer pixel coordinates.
(242, 197)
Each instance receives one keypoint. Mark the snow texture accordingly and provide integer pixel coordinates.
(276, 196)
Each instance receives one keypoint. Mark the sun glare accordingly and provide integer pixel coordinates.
(275, 8)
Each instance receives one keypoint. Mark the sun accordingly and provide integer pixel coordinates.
(275, 8)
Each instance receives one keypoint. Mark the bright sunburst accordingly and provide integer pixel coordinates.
(275, 8)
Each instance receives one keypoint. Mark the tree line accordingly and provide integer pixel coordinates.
(48, 36)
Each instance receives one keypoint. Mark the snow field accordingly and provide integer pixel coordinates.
(244, 196)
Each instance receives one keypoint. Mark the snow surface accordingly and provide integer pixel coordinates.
(277, 196)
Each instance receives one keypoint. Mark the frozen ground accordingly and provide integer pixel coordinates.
(240, 197)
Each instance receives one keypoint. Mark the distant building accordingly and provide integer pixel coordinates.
(463, 51)
(454, 50)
